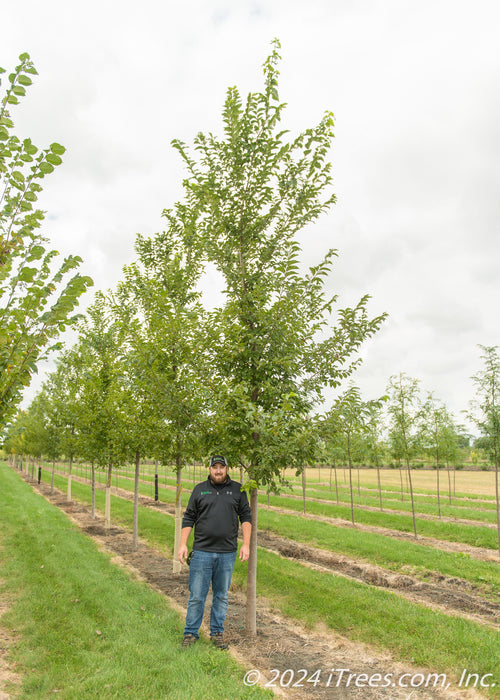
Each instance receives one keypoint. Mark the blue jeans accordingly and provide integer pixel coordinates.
(206, 568)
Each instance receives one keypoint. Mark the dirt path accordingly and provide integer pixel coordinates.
(8, 676)
(281, 643)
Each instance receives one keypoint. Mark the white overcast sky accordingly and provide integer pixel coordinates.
(415, 90)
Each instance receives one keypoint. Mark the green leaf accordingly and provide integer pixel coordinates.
(36, 253)
(18, 176)
(24, 80)
(57, 149)
(52, 158)
(46, 168)
(27, 274)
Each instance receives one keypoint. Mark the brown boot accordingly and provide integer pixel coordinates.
(189, 640)
(217, 640)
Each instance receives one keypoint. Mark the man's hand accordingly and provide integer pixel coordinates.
(182, 554)
(244, 552)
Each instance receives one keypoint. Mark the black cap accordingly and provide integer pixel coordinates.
(218, 459)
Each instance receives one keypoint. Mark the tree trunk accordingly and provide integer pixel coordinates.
(52, 476)
(350, 477)
(251, 606)
(437, 484)
(336, 483)
(411, 496)
(379, 485)
(176, 565)
(449, 483)
(68, 495)
(304, 480)
(135, 526)
(498, 507)
(92, 469)
(107, 509)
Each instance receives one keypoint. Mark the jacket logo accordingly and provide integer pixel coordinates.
(204, 493)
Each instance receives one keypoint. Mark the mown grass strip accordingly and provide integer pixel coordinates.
(85, 629)
(363, 613)
(423, 504)
(475, 535)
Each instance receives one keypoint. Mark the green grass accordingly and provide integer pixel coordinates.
(476, 535)
(366, 614)
(412, 632)
(419, 560)
(84, 628)
(423, 504)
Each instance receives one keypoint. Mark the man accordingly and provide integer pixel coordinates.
(214, 509)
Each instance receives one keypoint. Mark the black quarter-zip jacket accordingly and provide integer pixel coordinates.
(214, 511)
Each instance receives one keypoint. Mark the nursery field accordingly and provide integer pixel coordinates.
(416, 616)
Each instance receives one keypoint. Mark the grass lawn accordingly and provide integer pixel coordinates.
(84, 628)
(412, 632)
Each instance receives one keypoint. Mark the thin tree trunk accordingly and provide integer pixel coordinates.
(497, 499)
(92, 470)
(437, 484)
(336, 483)
(379, 484)
(251, 604)
(304, 480)
(350, 477)
(411, 497)
(176, 565)
(52, 476)
(68, 495)
(135, 526)
(107, 509)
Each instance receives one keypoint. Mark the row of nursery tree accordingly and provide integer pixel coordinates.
(158, 372)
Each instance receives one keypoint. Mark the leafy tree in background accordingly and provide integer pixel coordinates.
(159, 308)
(103, 394)
(487, 411)
(63, 412)
(404, 410)
(31, 317)
(436, 424)
(347, 418)
(373, 438)
(255, 190)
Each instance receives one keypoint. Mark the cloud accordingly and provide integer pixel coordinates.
(414, 89)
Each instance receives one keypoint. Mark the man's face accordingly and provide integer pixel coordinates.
(218, 473)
